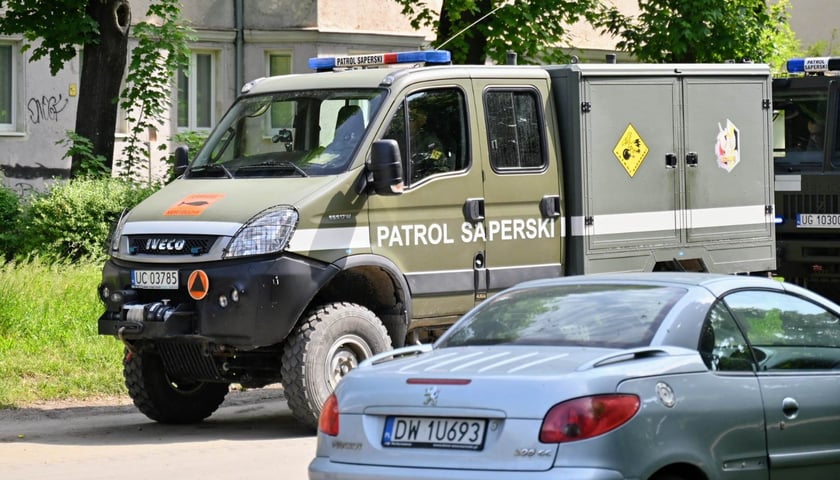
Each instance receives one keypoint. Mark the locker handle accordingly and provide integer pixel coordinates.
(691, 159)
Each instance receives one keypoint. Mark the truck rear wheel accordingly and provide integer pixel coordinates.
(330, 341)
(167, 401)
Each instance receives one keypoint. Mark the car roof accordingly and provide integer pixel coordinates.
(714, 282)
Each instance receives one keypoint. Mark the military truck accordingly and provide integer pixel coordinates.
(806, 153)
(334, 215)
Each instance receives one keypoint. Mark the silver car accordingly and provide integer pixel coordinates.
(662, 376)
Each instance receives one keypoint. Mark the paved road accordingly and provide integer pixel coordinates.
(253, 435)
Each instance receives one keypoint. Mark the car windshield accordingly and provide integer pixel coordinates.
(300, 134)
(593, 315)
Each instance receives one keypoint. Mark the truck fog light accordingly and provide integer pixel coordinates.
(234, 295)
(223, 301)
(104, 292)
(116, 297)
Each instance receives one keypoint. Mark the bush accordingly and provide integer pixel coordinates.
(9, 217)
(72, 219)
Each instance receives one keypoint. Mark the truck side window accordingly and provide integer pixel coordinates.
(799, 120)
(435, 140)
(514, 129)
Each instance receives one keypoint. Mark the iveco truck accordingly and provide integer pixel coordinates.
(334, 215)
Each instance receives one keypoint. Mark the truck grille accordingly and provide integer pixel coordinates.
(809, 203)
(187, 361)
(170, 245)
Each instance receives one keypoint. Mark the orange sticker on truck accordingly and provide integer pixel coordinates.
(193, 205)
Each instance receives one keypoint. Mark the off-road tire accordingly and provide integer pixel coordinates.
(165, 401)
(323, 347)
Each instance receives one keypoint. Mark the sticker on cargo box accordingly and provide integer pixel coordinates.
(631, 150)
(193, 205)
(728, 146)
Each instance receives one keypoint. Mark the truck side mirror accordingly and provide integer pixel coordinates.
(182, 160)
(386, 167)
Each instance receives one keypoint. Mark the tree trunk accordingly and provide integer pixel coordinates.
(103, 67)
(475, 37)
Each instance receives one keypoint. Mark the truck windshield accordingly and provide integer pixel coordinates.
(302, 133)
(800, 121)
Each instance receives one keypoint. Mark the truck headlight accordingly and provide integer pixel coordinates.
(268, 232)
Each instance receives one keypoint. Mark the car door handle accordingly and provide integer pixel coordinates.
(550, 206)
(790, 408)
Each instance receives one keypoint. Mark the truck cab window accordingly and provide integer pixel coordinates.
(799, 123)
(430, 128)
(514, 129)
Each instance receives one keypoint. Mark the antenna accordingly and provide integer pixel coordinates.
(453, 37)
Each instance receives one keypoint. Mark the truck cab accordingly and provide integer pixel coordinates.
(806, 154)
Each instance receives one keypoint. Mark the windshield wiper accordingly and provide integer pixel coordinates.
(280, 164)
(210, 168)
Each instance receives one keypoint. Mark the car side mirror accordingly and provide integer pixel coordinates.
(182, 160)
(386, 167)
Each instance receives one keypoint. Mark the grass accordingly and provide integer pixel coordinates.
(49, 345)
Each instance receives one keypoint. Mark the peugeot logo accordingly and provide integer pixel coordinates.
(164, 244)
(431, 396)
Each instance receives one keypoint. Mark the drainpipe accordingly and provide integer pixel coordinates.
(239, 43)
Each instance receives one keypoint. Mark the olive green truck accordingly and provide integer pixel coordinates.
(334, 215)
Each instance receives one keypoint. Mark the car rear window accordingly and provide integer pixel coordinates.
(594, 315)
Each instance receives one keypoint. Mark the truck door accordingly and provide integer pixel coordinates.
(523, 223)
(727, 144)
(421, 229)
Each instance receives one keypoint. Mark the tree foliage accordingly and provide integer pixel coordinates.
(697, 30)
(37, 21)
(161, 50)
(477, 30)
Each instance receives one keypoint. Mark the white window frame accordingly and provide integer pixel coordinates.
(12, 125)
(192, 94)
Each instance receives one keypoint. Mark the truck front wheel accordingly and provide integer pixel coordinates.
(165, 400)
(330, 341)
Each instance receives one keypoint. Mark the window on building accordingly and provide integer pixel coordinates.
(196, 91)
(282, 115)
(7, 87)
(514, 129)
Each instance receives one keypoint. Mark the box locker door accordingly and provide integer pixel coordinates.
(632, 180)
(727, 151)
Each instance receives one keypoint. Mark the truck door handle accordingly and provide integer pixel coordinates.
(670, 160)
(550, 206)
(474, 209)
(691, 159)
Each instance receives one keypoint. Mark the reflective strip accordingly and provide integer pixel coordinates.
(612, 224)
(227, 229)
(315, 239)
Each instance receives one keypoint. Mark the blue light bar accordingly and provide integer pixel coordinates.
(813, 64)
(428, 57)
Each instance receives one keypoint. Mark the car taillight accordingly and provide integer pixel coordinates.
(587, 417)
(328, 421)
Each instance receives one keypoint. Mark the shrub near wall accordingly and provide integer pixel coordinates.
(73, 219)
(9, 216)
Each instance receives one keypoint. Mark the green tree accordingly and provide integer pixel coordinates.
(55, 29)
(475, 30)
(697, 30)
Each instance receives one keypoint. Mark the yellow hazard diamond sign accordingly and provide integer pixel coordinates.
(630, 150)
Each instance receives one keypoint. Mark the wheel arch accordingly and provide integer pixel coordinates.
(679, 471)
(374, 282)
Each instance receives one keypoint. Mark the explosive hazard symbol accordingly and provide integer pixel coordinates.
(193, 205)
(198, 284)
(631, 150)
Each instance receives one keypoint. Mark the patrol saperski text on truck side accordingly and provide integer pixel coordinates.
(334, 215)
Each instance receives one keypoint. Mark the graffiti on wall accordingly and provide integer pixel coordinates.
(46, 108)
